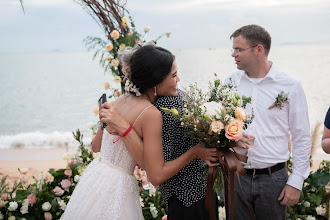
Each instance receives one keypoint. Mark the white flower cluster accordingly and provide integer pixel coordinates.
(41, 181)
(320, 210)
(76, 178)
(1, 216)
(222, 213)
(12, 206)
(25, 206)
(130, 87)
(212, 109)
(152, 190)
(310, 218)
(141, 202)
(153, 210)
(62, 204)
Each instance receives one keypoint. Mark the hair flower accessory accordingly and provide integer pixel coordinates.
(130, 87)
(279, 101)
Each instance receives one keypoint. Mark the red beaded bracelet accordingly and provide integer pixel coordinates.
(125, 133)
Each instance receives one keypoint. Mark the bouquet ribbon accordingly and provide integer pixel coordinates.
(230, 163)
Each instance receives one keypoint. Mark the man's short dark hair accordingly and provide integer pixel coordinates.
(254, 34)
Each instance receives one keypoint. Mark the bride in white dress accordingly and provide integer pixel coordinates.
(108, 188)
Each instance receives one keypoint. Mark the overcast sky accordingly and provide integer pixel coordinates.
(49, 25)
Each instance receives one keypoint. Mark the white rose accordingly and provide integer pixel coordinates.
(1, 216)
(222, 213)
(12, 206)
(310, 218)
(320, 210)
(153, 210)
(76, 178)
(147, 29)
(62, 204)
(152, 191)
(96, 155)
(212, 108)
(115, 62)
(24, 209)
(46, 206)
(141, 202)
(12, 218)
(307, 204)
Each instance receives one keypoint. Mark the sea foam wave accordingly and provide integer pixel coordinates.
(40, 140)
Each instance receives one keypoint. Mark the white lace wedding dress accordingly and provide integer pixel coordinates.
(107, 188)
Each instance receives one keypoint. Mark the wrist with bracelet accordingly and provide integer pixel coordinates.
(125, 133)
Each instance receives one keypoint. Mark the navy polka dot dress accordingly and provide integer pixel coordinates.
(188, 185)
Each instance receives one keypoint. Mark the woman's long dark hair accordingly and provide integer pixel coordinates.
(149, 66)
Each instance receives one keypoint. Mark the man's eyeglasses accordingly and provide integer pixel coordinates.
(237, 51)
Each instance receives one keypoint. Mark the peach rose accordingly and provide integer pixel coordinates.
(115, 34)
(241, 114)
(234, 130)
(68, 173)
(216, 127)
(66, 184)
(49, 177)
(138, 41)
(109, 47)
(5, 196)
(116, 93)
(48, 216)
(164, 217)
(114, 62)
(106, 85)
(32, 198)
(117, 79)
(96, 110)
(129, 34)
(58, 191)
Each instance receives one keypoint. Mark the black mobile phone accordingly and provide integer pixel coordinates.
(102, 100)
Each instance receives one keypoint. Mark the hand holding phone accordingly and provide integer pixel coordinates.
(102, 100)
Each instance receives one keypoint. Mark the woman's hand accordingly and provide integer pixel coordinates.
(208, 155)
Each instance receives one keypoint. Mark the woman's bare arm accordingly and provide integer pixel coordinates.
(158, 170)
(326, 140)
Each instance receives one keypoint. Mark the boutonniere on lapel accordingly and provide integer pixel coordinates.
(280, 100)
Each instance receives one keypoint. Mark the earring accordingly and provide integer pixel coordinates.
(155, 91)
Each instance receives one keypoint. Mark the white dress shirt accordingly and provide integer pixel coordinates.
(272, 127)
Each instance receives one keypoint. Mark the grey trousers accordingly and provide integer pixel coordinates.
(260, 194)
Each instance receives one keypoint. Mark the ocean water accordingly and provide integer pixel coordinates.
(46, 96)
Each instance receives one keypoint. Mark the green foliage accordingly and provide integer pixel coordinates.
(313, 195)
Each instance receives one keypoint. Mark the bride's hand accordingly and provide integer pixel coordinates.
(110, 115)
(208, 155)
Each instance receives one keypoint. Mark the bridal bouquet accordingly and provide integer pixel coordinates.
(215, 117)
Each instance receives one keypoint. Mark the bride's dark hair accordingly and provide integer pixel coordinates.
(149, 66)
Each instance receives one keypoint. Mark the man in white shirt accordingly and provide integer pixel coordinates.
(266, 188)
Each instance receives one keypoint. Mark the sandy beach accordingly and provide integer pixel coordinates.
(35, 160)
(38, 160)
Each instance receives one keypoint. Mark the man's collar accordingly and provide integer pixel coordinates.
(271, 73)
